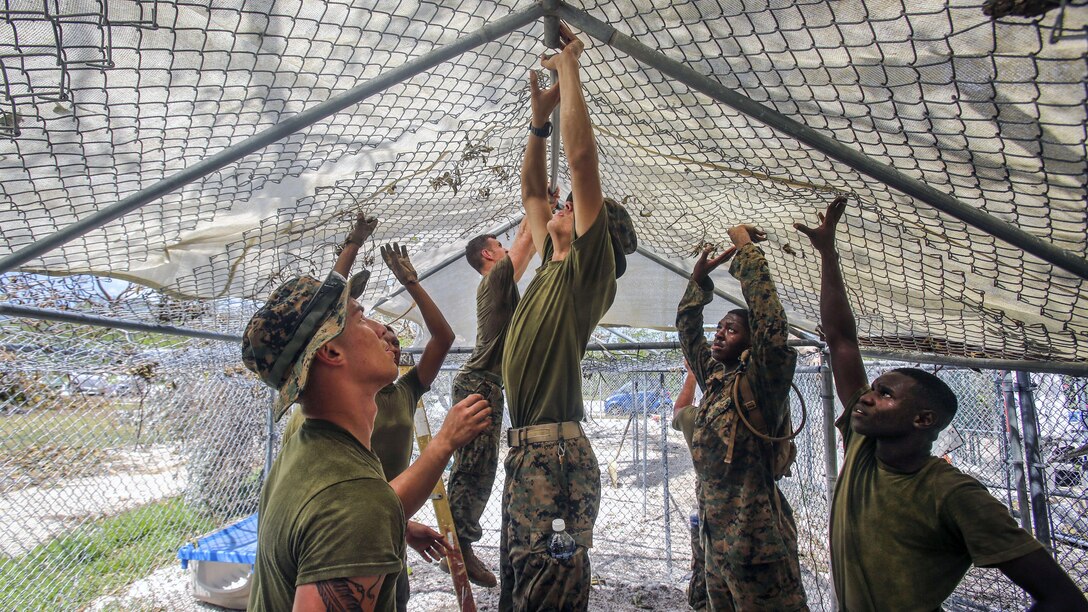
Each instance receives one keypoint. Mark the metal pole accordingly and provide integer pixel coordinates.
(1015, 457)
(884, 173)
(831, 455)
(271, 428)
(668, 265)
(445, 263)
(1036, 478)
(608, 346)
(1079, 369)
(97, 321)
(551, 41)
(409, 69)
(645, 447)
(665, 480)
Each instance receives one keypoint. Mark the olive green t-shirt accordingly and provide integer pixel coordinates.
(496, 298)
(394, 425)
(683, 420)
(326, 512)
(542, 361)
(903, 541)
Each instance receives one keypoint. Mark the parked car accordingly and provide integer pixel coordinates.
(625, 401)
(89, 385)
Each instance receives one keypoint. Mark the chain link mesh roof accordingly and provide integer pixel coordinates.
(102, 99)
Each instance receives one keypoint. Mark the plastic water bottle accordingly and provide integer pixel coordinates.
(561, 546)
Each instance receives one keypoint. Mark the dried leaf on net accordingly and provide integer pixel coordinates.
(447, 179)
(702, 245)
(475, 151)
(145, 371)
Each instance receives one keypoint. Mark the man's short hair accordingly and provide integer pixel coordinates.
(474, 250)
(933, 393)
(743, 314)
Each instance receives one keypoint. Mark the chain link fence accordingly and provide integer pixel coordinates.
(120, 447)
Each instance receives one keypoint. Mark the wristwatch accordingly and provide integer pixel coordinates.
(543, 131)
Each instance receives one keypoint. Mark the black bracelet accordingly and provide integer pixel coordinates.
(543, 132)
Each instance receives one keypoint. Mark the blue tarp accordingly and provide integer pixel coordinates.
(234, 544)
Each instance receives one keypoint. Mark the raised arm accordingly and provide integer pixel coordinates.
(577, 131)
(534, 173)
(521, 251)
(1046, 582)
(773, 359)
(364, 227)
(689, 314)
(836, 317)
(686, 397)
(442, 336)
(464, 422)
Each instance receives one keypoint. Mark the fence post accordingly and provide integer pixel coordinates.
(665, 479)
(271, 424)
(645, 446)
(1015, 457)
(1036, 478)
(831, 457)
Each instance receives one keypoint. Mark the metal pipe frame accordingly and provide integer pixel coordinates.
(884, 173)
(831, 455)
(385, 80)
(1079, 369)
(739, 302)
(1070, 369)
(1034, 459)
(27, 312)
(444, 264)
(1015, 457)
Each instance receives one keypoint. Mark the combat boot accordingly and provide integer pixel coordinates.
(478, 573)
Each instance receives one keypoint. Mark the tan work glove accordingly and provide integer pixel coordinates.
(396, 257)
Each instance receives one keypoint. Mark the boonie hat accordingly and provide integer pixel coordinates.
(299, 317)
(622, 231)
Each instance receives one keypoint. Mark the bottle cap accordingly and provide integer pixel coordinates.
(559, 525)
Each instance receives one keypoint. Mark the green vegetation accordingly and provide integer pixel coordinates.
(99, 558)
(93, 422)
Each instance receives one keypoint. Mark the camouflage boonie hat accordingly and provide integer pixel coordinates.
(622, 230)
(299, 317)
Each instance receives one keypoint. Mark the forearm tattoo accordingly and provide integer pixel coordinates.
(349, 595)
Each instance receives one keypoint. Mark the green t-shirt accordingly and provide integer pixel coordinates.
(326, 512)
(903, 541)
(542, 362)
(496, 298)
(394, 425)
(684, 422)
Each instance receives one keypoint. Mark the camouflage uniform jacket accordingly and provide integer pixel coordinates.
(736, 503)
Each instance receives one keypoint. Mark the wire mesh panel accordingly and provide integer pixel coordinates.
(118, 448)
(982, 102)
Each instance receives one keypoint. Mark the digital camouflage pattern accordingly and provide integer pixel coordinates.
(747, 524)
(697, 584)
(475, 464)
(684, 421)
(540, 488)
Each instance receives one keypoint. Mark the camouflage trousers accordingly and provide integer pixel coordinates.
(474, 465)
(697, 584)
(775, 585)
(539, 488)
